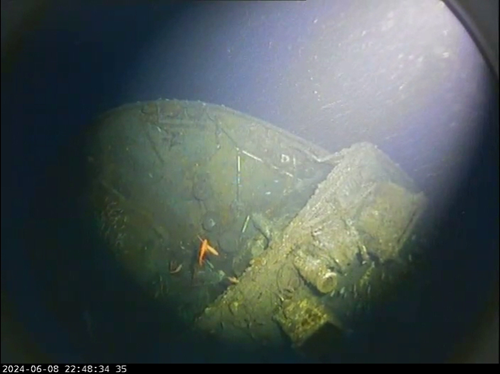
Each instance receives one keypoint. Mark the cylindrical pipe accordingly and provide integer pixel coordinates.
(314, 271)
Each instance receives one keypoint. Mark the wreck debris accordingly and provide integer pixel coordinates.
(306, 322)
(324, 242)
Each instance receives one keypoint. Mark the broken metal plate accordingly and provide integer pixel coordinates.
(303, 319)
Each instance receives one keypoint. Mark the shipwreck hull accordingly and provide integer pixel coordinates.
(307, 239)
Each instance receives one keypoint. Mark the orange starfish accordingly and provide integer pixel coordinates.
(205, 248)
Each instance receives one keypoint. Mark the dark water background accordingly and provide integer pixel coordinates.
(87, 59)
